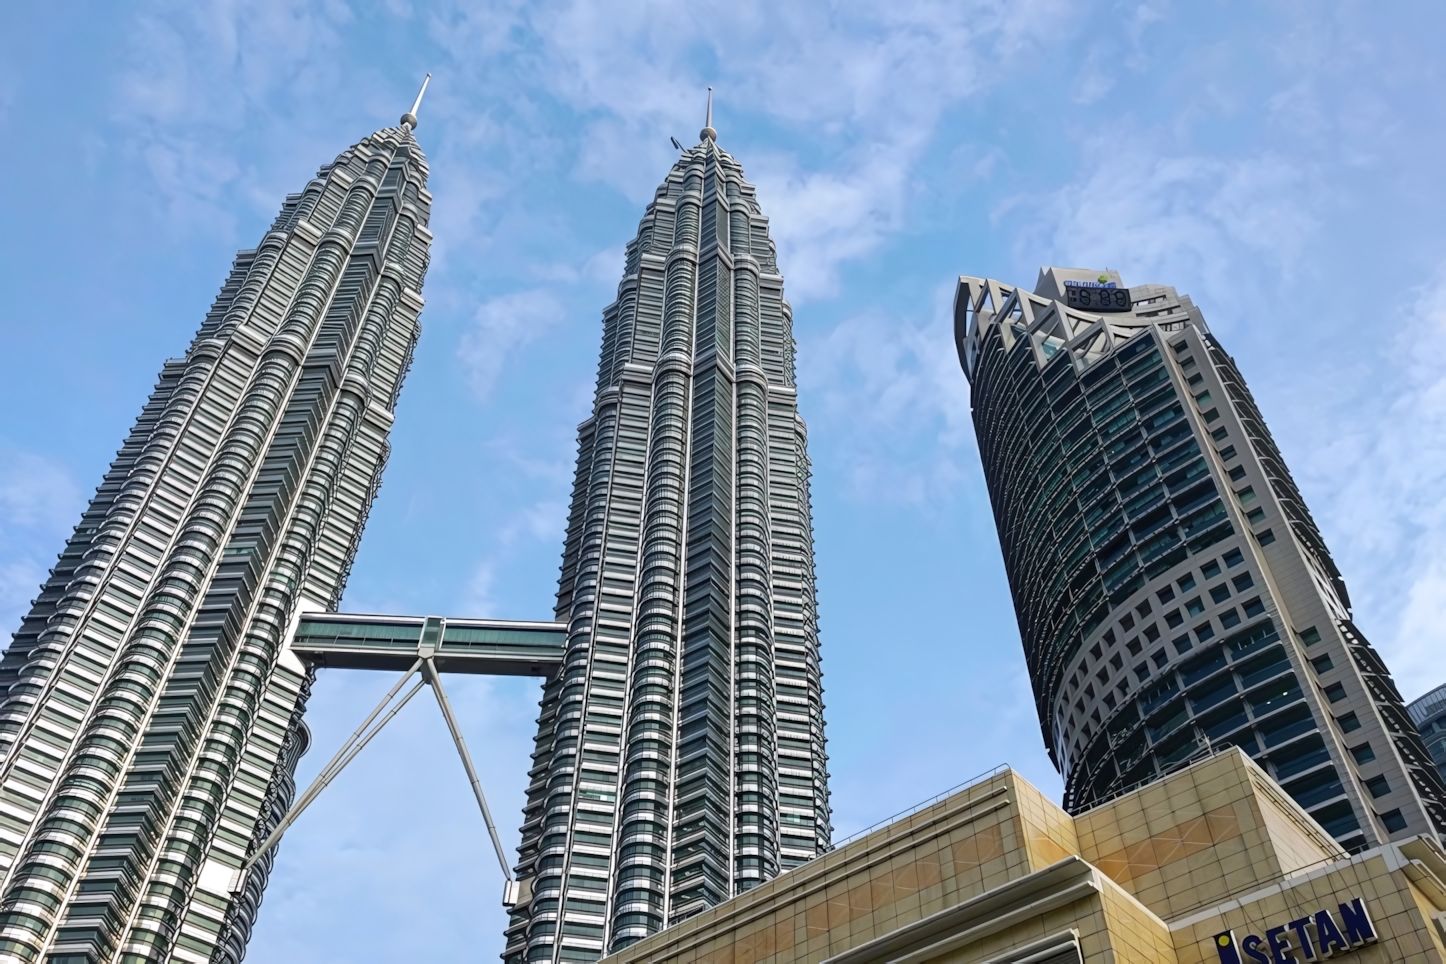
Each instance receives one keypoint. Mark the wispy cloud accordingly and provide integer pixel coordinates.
(39, 503)
(859, 101)
(480, 601)
(889, 391)
(1200, 220)
(538, 522)
(1382, 468)
(500, 328)
(869, 92)
(200, 72)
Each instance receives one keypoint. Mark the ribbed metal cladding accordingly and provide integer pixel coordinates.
(151, 720)
(680, 755)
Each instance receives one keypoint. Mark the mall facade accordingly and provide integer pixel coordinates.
(1212, 863)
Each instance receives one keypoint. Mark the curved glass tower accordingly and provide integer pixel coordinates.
(680, 754)
(151, 714)
(1172, 590)
(1428, 712)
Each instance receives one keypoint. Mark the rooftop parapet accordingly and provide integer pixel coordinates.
(996, 872)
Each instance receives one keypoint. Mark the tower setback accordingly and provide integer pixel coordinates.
(1173, 592)
(680, 753)
(151, 715)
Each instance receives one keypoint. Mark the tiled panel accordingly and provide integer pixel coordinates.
(1213, 847)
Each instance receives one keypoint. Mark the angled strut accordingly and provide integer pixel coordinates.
(436, 680)
(345, 755)
(354, 744)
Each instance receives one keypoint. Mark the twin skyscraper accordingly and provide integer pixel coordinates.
(151, 720)
(1171, 588)
(680, 759)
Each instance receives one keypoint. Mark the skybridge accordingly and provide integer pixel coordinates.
(425, 647)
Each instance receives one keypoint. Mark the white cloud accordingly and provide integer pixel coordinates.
(480, 601)
(602, 268)
(873, 85)
(500, 328)
(191, 62)
(867, 93)
(197, 73)
(1193, 218)
(890, 392)
(538, 522)
(1382, 468)
(820, 220)
(39, 503)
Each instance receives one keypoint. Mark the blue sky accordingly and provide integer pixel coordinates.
(1279, 162)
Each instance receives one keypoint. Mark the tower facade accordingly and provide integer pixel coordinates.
(680, 753)
(1428, 712)
(1172, 591)
(151, 714)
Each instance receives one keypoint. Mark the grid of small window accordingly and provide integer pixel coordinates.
(1098, 482)
(1240, 691)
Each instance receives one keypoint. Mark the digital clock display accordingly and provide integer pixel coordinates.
(1096, 296)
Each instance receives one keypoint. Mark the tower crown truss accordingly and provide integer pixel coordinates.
(151, 715)
(1173, 593)
(680, 753)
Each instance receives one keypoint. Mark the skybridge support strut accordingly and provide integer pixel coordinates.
(371, 726)
(436, 680)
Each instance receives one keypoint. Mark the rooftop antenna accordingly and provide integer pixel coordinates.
(708, 133)
(409, 119)
(676, 145)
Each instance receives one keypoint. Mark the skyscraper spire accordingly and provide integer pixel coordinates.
(708, 133)
(680, 753)
(150, 709)
(409, 119)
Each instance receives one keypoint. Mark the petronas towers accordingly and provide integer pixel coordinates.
(151, 718)
(680, 754)
(151, 703)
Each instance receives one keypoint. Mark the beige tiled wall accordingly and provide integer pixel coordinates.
(1216, 835)
(1400, 914)
(1049, 833)
(957, 849)
(1199, 836)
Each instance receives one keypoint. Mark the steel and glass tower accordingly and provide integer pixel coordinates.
(151, 714)
(680, 752)
(1172, 591)
(1429, 714)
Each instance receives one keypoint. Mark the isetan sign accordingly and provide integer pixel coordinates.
(1315, 937)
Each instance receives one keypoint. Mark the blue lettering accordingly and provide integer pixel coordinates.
(1357, 921)
(1225, 945)
(1328, 935)
(1302, 936)
(1335, 933)
(1279, 946)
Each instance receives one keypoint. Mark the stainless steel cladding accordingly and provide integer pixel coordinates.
(680, 756)
(151, 719)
